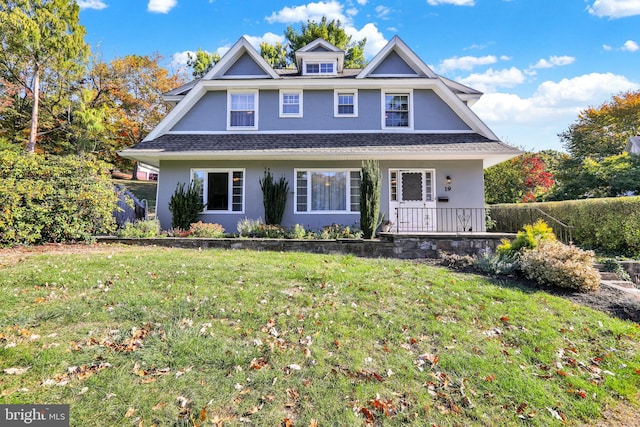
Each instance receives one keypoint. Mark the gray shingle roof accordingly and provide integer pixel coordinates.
(325, 142)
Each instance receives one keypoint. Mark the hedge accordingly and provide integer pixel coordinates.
(53, 199)
(608, 225)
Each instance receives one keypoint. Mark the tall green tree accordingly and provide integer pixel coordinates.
(596, 166)
(331, 31)
(201, 62)
(275, 55)
(603, 131)
(42, 49)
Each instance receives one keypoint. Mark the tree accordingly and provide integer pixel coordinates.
(42, 49)
(604, 131)
(521, 179)
(331, 31)
(275, 55)
(370, 186)
(127, 92)
(201, 62)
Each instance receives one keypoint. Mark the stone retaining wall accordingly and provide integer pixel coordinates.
(388, 246)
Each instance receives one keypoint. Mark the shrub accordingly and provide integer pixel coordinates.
(528, 238)
(608, 225)
(370, 185)
(258, 229)
(613, 266)
(337, 231)
(206, 230)
(455, 261)
(54, 199)
(298, 232)
(554, 263)
(274, 197)
(498, 264)
(140, 229)
(185, 205)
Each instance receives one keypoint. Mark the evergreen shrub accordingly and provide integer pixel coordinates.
(185, 205)
(54, 198)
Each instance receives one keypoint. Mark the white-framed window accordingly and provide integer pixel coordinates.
(242, 110)
(222, 190)
(397, 110)
(327, 190)
(319, 68)
(291, 103)
(345, 103)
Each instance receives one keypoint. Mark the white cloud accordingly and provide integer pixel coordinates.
(535, 122)
(375, 39)
(615, 8)
(554, 61)
(382, 12)
(492, 79)
(465, 62)
(630, 46)
(607, 47)
(309, 12)
(179, 59)
(161, 6)
(362, 2)
(453, 2)
(270, 38)
(92, 4)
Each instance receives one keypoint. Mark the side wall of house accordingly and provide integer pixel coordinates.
(466, 189)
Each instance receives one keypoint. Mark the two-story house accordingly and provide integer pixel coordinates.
(314, 125)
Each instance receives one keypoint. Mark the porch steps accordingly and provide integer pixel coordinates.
(611, 280)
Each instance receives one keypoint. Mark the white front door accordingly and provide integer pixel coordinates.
(412, 201)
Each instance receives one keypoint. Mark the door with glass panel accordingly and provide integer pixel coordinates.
(411, 200)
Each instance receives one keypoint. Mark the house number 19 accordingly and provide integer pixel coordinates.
(447, 188)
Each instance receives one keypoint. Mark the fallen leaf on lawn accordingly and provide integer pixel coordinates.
(16, 370)
(84, 390)
(130, 413)
(287, 422)
(159, 406)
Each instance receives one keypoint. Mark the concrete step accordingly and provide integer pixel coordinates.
(621, 283)
(608, 275)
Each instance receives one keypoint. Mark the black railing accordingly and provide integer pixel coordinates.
(474, 220)
(443, 220)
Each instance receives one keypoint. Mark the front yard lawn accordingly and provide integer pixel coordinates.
(171, 337)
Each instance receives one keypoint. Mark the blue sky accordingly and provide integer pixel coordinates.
(538, 62)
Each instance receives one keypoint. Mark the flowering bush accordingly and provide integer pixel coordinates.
(554, 263)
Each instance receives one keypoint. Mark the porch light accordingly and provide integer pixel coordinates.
(448, 180)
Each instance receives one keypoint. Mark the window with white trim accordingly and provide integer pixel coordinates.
(243, 110)
(222, 190)
(319, 68)
(291, 103)
(346, 103)
(327, 190)
(397, 110)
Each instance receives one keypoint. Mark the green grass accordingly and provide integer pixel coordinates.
(142, 190)
(257, 338)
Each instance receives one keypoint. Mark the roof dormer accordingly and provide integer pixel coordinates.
(319, 58)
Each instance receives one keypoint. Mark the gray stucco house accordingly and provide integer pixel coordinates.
(314, 125)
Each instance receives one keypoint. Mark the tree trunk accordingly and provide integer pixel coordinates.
(33, 133)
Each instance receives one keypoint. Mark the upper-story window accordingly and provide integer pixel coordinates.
(243, 110)
(291, 103)
(397, 110)
(346, 103)
(319, 68)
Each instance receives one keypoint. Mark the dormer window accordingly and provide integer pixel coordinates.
(319, 68)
